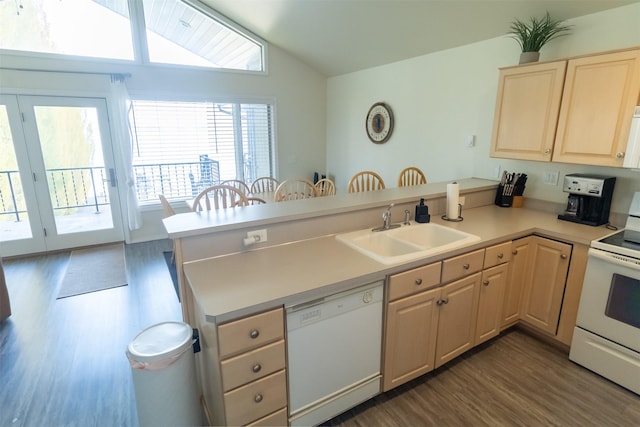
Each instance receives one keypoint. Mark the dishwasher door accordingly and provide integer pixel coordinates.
(334, 352)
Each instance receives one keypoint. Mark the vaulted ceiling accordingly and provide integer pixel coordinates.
(341, 36)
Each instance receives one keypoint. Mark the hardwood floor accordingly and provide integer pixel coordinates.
(63, 363)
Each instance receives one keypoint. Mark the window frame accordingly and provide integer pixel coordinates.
(165, 97)
(140, 49)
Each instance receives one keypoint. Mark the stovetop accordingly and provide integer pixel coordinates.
(617, 244)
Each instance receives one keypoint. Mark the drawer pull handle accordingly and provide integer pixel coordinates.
(500, 255)
(418, 282)
(256, 368)
(254, 334)
(466, 266)
(563, 256)
(485, 282)
(257, 398)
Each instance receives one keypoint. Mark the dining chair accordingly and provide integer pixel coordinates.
(255, 201)
(294, 189)
(240, 185)
(219, 197)
(411, 176)
(265, 184)
(365, 181)
(325, 187)
(166, 206)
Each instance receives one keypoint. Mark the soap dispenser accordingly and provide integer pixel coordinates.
(422, 212)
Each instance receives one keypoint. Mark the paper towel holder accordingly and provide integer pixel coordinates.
(458, 219)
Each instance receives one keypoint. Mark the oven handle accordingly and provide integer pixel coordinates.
(617, 259)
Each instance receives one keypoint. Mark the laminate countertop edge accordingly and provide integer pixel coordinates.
(231, 286)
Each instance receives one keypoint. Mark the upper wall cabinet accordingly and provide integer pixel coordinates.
(527, 108)
(582, 117)
(600, 94)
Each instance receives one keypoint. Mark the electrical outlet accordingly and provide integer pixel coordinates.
(471, 141)
(257, 235)
(496, 172)
(551, 177)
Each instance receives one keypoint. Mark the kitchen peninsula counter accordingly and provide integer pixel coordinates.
(230, 286)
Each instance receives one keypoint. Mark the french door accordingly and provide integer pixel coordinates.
(57, 174)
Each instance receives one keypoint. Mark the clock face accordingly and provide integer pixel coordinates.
(379, 124)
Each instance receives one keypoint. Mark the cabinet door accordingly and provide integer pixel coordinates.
(490, 303)
(458, 307)
(526, 114)
(410, 339)
(519, 273)
(600, 94)
(542, 297)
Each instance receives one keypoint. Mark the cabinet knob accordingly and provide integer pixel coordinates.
(442, 301)
(256, 368)
(620, 155)
(514, 252)
(500, 255)
(254, 334)
(418, 281)
(257, 398)
(485, 282)
(563, 256)
(466, 266)
(547, 150)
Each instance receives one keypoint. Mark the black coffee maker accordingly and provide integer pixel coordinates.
(589, 199)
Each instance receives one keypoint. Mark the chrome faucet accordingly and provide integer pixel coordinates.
(386, 218)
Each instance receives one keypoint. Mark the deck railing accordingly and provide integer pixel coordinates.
(72, 188)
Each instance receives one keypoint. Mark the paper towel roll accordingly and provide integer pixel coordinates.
(453, 200)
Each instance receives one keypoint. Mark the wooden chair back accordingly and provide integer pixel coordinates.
(255, 201)
(325, 187)
(365, 181)
(294, 189)
(411, 176)
(219, 197)
(166, 206)
(236, 183)
(265, 184)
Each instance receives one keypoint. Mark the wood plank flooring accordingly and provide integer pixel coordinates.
(63, 363)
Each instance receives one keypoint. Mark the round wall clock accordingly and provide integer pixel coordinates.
(379, 124)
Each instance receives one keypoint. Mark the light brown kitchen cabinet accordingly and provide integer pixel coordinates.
(458, 310)
(519, 271)
(410, 344)
(243, 367)
(544, 288)
(526, 114)
(599, 97)
(490, 302)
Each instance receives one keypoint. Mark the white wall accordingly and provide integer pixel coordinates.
(441, 98)
(298, 91)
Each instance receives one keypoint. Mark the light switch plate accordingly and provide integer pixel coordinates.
(551, 177)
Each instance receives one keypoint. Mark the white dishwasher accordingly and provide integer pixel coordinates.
(334, 353)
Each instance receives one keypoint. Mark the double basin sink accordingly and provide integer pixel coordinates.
(406, 243)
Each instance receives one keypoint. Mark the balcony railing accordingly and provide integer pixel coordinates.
(72, 188)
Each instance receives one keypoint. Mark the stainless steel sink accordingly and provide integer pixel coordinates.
(406, 243)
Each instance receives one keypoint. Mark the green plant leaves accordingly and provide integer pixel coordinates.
(532, 35)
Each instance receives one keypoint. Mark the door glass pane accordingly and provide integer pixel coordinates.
(14, 220)
(77, 179)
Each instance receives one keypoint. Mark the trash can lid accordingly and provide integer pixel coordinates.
(160, 341)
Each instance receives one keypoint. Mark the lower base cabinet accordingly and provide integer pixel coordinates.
(494, 280)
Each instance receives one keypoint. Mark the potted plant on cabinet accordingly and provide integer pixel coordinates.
(532, 35)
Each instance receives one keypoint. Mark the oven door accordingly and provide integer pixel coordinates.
(610, 301)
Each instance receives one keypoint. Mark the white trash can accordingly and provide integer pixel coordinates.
(164, 376)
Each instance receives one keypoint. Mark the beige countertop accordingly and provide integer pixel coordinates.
(231, 286)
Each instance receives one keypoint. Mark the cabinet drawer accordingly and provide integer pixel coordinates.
(497, 254)
(463, 265)
(257, 399)
(252, 365)
(412, 281)
(278, 418)
(250, 332)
